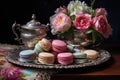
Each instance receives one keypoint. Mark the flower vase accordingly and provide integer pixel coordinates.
(83, 40)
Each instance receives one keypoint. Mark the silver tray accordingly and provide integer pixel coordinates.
(13, 57)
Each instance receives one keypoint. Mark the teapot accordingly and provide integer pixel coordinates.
(30, 33)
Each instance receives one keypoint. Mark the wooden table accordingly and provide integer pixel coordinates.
(109, 70)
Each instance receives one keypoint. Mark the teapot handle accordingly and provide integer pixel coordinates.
(14, 27)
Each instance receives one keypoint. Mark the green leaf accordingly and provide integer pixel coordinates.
(69, 33)
(60, 35)
(72, 17)
(66, 35)
(92, 3)
(94, 36)
(89, 31)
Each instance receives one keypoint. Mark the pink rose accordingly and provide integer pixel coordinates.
(82, 21)
(10, 73)
(60, 22)
(61, 9)
(101, 25)
(101, 11)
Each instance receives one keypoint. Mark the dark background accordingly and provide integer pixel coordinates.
(21, 11)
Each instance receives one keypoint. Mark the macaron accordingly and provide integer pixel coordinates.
(45, 44)
(79, 57)
(76, 50)
(38, 48)
(70, 48)
(46, 58)
(65, 58)
(59, 46)
(79, 61)
(91, 54)
(27, 56)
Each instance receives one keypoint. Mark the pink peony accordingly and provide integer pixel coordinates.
(10, 73)
(60, 22)
(101, 11)
(101, 25)
(82, 21)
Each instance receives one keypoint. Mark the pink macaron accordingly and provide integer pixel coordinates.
(59, 46)
(65, 58)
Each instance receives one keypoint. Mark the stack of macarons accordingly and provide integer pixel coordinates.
(79, 57)
(46, 58)
(58, 53)
(27, 56)
(50, 52)
(59, 49)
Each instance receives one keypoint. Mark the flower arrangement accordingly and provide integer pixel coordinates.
(80, 17)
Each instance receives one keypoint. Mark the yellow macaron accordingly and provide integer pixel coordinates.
(91, 54)
(45, 44)
(46, 58)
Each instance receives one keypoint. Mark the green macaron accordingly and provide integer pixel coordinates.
(70, 47)
(79, 55)
(38, 48)
(77, 61)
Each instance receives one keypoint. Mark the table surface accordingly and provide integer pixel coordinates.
(108, 70)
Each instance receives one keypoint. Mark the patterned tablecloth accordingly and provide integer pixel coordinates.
(9, 71)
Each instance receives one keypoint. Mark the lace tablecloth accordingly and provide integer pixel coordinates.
(9, 71)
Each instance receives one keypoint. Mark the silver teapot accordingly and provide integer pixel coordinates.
(30, 33)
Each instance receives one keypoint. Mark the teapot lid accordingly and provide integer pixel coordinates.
(33, 24)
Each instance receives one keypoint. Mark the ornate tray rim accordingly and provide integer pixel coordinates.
(103, 57)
